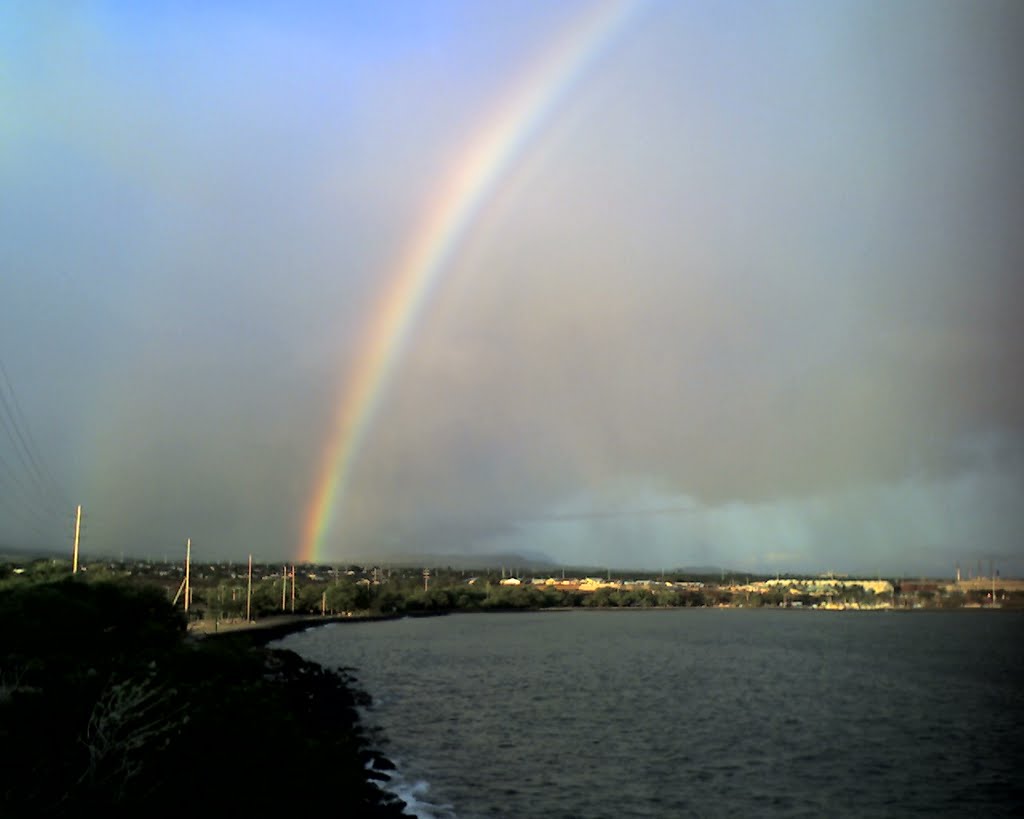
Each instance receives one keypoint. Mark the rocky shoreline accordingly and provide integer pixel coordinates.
(108, 703)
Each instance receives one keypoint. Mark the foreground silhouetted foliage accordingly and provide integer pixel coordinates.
(104, 704)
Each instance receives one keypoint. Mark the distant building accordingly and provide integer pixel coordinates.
(824, 585)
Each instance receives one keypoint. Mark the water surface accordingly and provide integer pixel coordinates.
(695, 712)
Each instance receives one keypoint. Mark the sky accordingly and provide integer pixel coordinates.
(641, 284)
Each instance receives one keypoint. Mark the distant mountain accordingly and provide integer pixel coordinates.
(706, 570)
(525, 563)
(521, 561)
(14, 554)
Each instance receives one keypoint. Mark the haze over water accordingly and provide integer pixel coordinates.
(695, 713)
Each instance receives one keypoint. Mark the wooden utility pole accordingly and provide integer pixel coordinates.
(293, 589)
(188, 564)
(248, 594)
(78, 529)
(284, 585)
(323, 604)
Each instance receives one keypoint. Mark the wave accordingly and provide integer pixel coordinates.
(413, 793)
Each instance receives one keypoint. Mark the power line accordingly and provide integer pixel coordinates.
(18, 444)
(27, 525)
(24, 434)
(21, 501)
(12, 418)
(27, 520)
(23, 497)
(14, 476)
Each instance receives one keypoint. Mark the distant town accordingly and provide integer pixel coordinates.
(224, 593)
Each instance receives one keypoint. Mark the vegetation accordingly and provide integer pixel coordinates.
(106, 701)
(106, 704)
(219, 591)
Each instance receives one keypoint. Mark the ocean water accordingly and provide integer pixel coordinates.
(693, 712)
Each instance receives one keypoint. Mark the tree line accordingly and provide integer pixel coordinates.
(106, 705)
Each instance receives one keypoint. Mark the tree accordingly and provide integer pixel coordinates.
(347, 595)
(388, 602)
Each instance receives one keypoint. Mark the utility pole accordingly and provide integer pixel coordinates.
(426, 579)
(293, 588)
(78, 529)
(188, 563)
(248, 595)
(323, 604)
(284, 585)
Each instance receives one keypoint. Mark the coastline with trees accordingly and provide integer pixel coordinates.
(114, 697)
(107, 705)
(226, 595)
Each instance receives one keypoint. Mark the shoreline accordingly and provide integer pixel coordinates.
(117, 705)
(274, 628)
(378, 770)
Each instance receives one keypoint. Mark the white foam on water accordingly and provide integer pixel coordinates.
(413, 794)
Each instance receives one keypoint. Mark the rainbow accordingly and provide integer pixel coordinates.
(435, 243)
